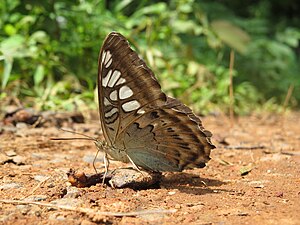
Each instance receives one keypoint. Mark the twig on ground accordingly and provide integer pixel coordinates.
(36, 187)
(91, 211)
(256, 147)
(295, 153)
(37, 122)
(287, 97)
(231, 94)
(285, 104)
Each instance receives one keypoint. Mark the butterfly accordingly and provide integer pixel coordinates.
(140, 123)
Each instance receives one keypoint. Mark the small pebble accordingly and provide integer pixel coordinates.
(56, 216)
(11, 153)
(177, 206)
(10, 186)
(152, 216)
(21, 125)
(51, 185)
(40, 178)
(3, 158)
(72, 192)
(36, 198)
(24, 209)
(86, 222)
(39, 155)
(72, 202)
(279, 194)
(19, 160)
(9, 129)
(90, 158)
(122, 178)
(243, 214)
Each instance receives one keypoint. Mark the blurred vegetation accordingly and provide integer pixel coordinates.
(49, 50)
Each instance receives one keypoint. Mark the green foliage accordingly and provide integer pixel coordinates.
(49, 50)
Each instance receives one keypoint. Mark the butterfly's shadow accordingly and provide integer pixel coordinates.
(192, 184)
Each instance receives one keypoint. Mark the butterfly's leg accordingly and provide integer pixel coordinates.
(95, 161)
(106, 165)
(134, 166)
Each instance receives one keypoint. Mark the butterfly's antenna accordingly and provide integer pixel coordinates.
(75, 138)
(86, 137)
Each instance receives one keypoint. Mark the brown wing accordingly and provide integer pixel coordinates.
(126, 86)
(170, 138)
(158, 133)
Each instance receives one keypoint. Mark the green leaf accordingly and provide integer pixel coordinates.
(245, 170)
(231, 35)
(290, 36)
(8, 63)
(184, 26)
(122, 4)
(10, 29)
(39, 36)
(14, 47)
(3, 95)
(151, 9)
(39, 74)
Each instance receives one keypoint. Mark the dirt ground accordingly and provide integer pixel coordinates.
(252, 178)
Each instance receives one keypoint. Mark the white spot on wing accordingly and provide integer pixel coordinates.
(103, 56)
(141, 111)
(125, 92)
(107, 57)
(114, 96)
(106, 102)
(130, 106)
(109, 63)
(111, 112)
(106, 79)
(121, 81)
(114, 77)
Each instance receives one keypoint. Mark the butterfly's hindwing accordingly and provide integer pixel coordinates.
(171, 137)
(156, 132)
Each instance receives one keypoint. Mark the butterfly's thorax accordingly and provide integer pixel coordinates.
(113, 152)
(117, 154)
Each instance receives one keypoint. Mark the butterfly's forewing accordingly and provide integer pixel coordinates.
(125, 86)
(157, 132)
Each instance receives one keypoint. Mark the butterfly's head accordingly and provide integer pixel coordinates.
(101, 145)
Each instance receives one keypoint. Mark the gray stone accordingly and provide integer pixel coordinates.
(132, 178)
(10, 153)
(10, 186)
(90, 158)
(36, 198)
(19, 160)
(72, 202)
(40, 178)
